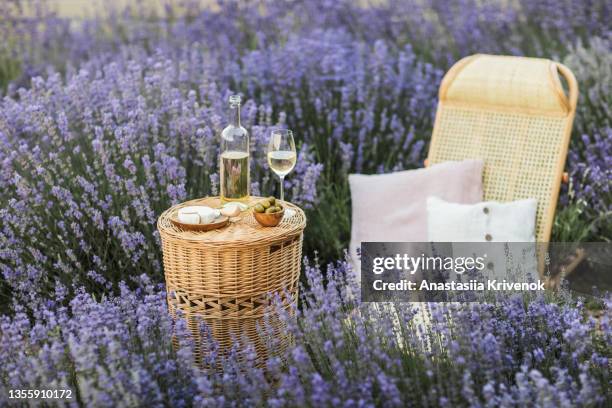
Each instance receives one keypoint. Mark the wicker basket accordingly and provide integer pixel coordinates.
(226, 277)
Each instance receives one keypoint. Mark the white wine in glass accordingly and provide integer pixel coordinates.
(281, 155)
(282, 161)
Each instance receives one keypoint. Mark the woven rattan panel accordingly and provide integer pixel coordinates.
(521, 152)
(507, 82)
(226, 277)
(227, 331)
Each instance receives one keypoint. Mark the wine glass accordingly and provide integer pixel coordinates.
(281, 155)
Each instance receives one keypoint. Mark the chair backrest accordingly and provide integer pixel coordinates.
(513, 113)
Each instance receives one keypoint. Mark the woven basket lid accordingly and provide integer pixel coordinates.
(242, 231)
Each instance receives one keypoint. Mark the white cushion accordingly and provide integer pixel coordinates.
(487, 221)
(511, 222)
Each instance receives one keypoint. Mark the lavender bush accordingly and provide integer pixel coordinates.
(512, 353)
(109, 147)
(592, 66)
(89, 163)
(106, 122)
(585, 212)
(359, 83)
(441, 31)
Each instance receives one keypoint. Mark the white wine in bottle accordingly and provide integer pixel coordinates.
(235, 176)
(234, 159)
(281, 161)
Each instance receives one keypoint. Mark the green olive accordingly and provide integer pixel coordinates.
(272, 200)
(265, 203)
(259, 208)
(270, 210)
(279, 208)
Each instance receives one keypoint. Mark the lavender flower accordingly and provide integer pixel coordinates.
(118, 351)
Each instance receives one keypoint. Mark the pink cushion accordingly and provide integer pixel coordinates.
(392, 207)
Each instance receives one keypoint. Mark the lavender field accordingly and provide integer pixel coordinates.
(106, 122)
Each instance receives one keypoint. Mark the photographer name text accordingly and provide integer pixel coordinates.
(453, 286)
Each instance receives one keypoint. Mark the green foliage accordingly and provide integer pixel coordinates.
(10, 69)
(573, 223)
(328, 231)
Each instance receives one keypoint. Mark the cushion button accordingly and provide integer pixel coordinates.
(488, 237)
(485, 210)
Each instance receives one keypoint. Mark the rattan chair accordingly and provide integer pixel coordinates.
(513, 113)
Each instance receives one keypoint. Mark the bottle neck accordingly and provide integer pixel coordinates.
(235, 115)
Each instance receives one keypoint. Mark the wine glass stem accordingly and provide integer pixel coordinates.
(282, 181)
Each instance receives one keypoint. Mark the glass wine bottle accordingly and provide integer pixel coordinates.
(234, 158)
